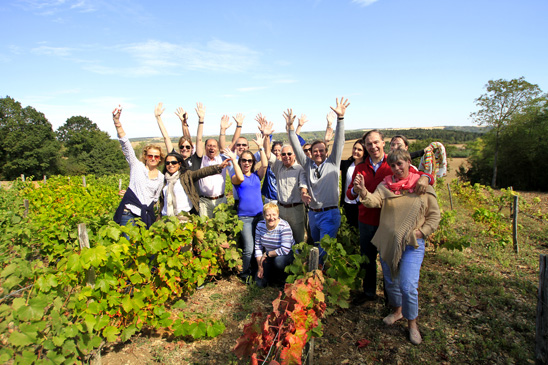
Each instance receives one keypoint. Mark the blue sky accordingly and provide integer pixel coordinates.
(401, 63)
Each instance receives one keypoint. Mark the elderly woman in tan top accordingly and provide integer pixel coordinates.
(406, 220)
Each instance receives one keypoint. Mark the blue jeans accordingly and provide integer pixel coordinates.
(324, 223)
(248, 242)
(274, 270)
(369, 250)
(128, 218)
(403, 289)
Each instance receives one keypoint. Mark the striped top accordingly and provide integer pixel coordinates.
(279, 239)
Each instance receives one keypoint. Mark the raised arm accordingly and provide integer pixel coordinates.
(302, 120)
(239, 118)
(293, 140)
(259, 141)
(183, 117)
(158, 110)
(238, 176)
(331, 117)
(340, 109)
(200, 111)
(225, 124)
(117, 124)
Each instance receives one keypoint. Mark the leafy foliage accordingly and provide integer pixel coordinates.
(27, 142)
(47, 311)
(88, 149)
(295, 317)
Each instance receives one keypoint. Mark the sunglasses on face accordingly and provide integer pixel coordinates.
(182, 147)
(306, 150)
(246, 160)
(241, 144)
(172, 163)
(287, 153)
(153, 157)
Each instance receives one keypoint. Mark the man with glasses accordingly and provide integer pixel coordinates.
(290, 182)
(322, 173)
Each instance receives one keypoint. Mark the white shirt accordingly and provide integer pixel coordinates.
(183, 201)
(213, 185)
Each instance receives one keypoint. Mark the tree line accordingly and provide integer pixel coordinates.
(513, 152)
(28, 145)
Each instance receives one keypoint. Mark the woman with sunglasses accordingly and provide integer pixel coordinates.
(186, 148)
(247, 183)
(145, 180)
(179, 194)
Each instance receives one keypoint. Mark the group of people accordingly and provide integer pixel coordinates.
(388, 200)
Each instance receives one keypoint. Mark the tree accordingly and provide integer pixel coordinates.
(27, 141)
(88, 150)
(503, 101)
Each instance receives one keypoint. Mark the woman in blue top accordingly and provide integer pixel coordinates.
(247, 182)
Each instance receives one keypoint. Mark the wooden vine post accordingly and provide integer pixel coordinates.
(313, 264)
(450, 195)
(84, 181)
(23, 177)
(119, 184)
(541, 337)
(515, 225)
(26, 203)
(45, 179)
(83, 238)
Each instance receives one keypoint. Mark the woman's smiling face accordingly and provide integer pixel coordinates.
(172, 167)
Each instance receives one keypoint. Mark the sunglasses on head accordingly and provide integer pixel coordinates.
(155, 157)
(306, 149)
(241, 144)
(171, 163)
(287, 153)
(182, 147)
(246, 160)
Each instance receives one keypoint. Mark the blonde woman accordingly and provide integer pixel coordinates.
(145, 180)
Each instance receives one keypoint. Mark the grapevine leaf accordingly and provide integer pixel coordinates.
(20, 339)
(33, 311)
(215, 329)
(111, 333)
(128, 332)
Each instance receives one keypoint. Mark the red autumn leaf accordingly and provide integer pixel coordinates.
(362, 343)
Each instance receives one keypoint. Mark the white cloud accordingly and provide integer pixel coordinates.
(53, 51)
(285, 81)
(364, 2)
(52, 7)
(248, 89)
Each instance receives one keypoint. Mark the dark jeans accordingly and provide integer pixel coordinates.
(370, 251)
(273, 273)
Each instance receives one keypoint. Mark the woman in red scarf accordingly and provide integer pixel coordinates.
(406, 220)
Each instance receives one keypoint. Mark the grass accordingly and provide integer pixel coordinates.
(477, 305)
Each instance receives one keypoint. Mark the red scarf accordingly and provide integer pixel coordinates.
(404, 184)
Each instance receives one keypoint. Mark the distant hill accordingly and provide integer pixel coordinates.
(448, 134)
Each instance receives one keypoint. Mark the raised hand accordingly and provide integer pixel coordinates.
(183, 116)
(289, 119)
(259, 140)
(331, 116)
(260, 118)
(228, 152)
(200, 110)
(225, 122)
(239, 118)
(116, 114)
(158, 110)
(340, 109)
(267, 128)
(302, 120)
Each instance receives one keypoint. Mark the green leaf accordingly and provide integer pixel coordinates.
(180, 304)
(198, 330)
(59, 340)
(55, 357)
(5, 355)
(28, 357)
(102, 322)
(127, 304)
(90, 321)
(215, 329)
(19, 339)
(8, 270)
(33, 311)
(128, 332)
(111, 333)
(113, 233)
